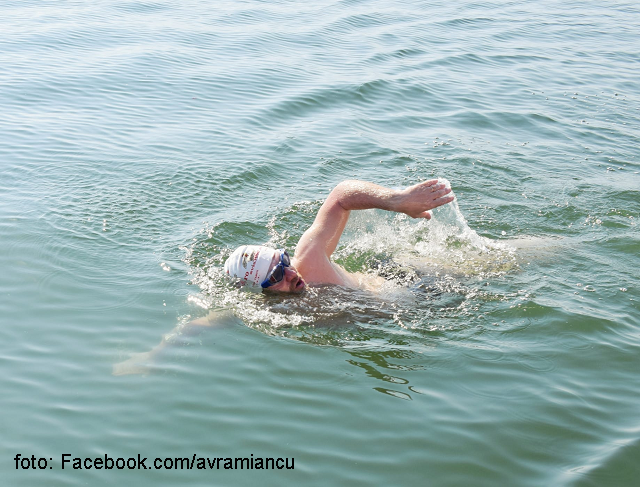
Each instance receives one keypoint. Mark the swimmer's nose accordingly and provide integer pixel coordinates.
(290, 273)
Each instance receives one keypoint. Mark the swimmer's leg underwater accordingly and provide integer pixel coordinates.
(146, 362)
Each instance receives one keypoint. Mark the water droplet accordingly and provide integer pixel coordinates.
(591, 289)
(623, 289)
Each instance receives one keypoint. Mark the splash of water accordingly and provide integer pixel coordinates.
(443, 245)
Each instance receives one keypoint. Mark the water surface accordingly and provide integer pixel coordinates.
(142, 141)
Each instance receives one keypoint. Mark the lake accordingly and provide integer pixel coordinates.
(142, 141)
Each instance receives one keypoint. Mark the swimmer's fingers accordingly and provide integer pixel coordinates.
(439, 195)
(444, 199)
(440, 192)
(421, 208)
(428, 183)
(429, 189)
(417, 200)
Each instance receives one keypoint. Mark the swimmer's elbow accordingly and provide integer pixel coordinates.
(339, 196)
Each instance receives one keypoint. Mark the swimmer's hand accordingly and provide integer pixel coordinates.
(417, 200)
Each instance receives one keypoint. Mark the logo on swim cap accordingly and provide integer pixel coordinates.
(250, 263)
(246, 258)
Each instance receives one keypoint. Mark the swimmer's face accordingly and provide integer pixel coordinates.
(291, 282)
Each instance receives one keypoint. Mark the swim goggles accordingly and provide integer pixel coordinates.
(277, 273)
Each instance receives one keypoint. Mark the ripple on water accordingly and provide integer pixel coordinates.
(136, 133)
(141, 7)
(615, 464)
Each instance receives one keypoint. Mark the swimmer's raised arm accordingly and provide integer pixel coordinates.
(321, 239)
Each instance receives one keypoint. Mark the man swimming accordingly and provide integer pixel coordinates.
(275, 271)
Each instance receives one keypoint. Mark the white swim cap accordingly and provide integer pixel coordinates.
(250, 263)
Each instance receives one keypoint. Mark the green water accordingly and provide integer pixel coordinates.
(141, 142)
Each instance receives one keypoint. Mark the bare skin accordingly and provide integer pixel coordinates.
(312, 263)
(313, 253)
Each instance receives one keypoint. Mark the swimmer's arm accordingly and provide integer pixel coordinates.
(143, 363)
(416, 201)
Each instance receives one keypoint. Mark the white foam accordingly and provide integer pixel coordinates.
(445, 241)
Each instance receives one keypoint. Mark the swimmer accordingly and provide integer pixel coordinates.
(275, 271)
